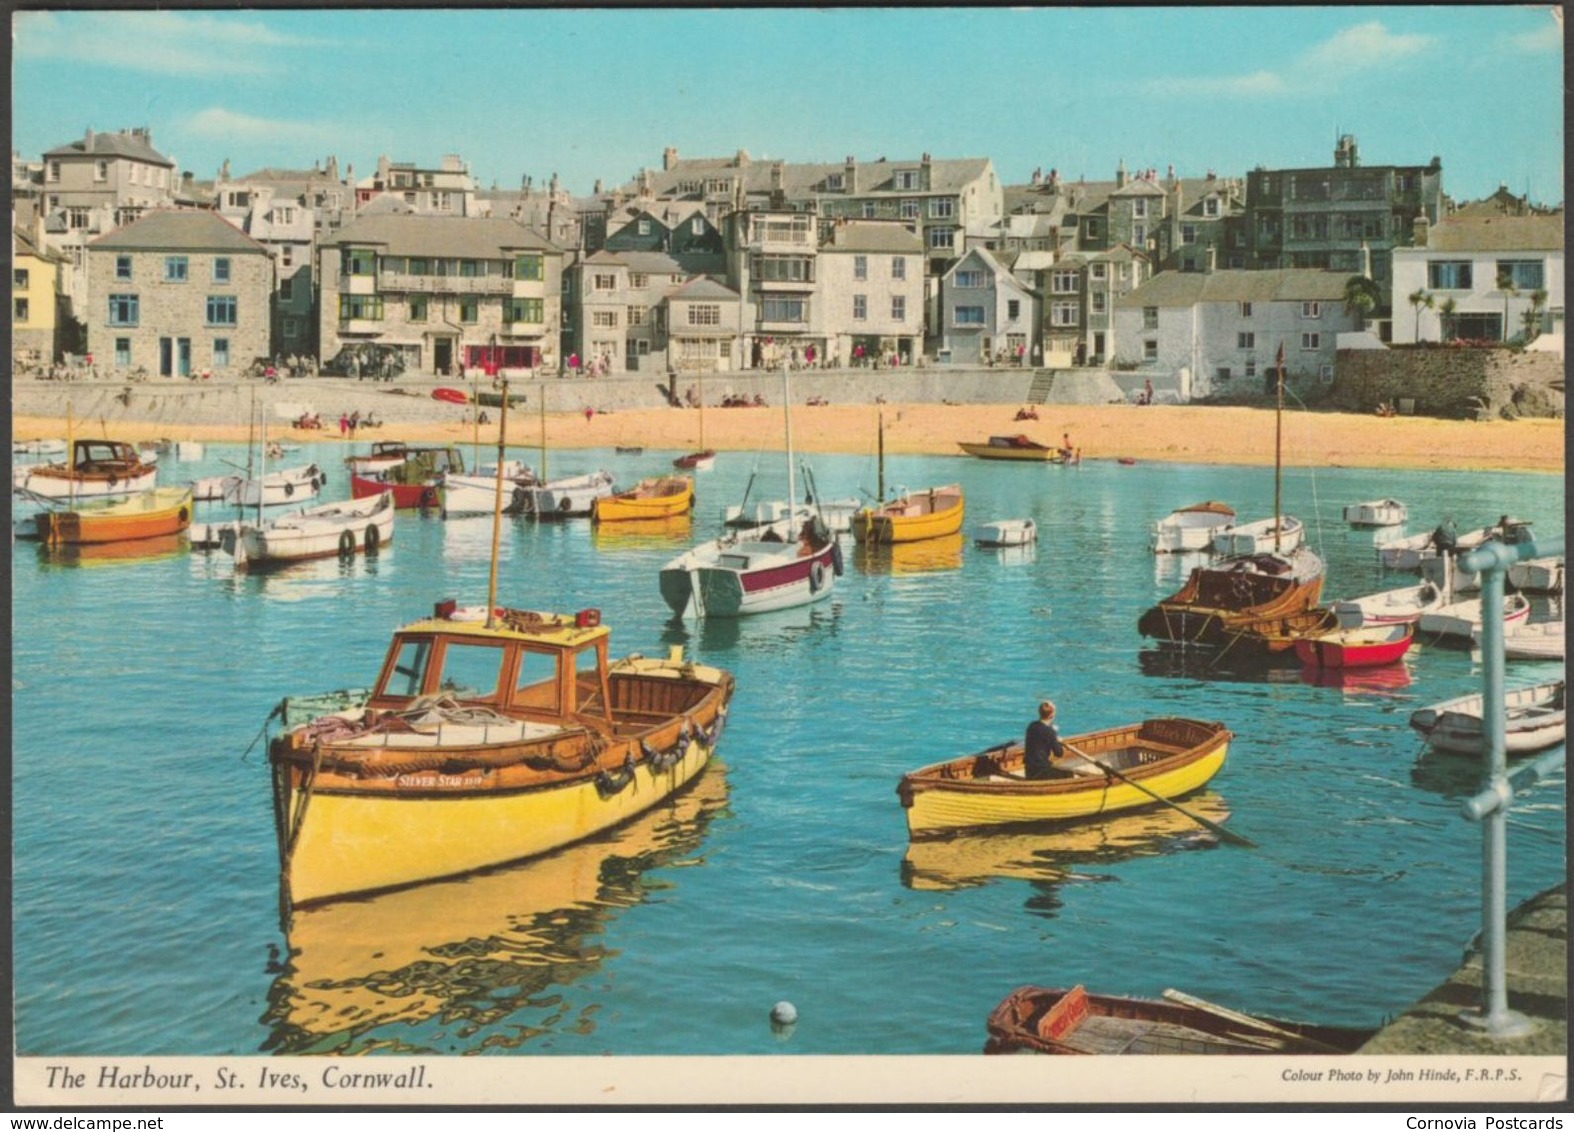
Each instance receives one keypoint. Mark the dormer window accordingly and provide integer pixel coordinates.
(833, 182)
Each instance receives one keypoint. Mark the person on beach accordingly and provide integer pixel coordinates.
(1041, 746)
(344, 425)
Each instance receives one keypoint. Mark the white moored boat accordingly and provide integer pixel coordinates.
(1259, 537)
(1460, 621)
(1530, 640)
(1190, 528)
(1537, 576)
(1377, 513)
(569, 497)
(476, 494)
(353, 526)
(1006, 532)
(1535, 720)
(1410, 553)
(1391, 607)
(276, 489)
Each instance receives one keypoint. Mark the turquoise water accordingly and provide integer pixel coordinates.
(145, 885)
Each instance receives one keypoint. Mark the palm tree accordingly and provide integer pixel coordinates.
(1361, 297)
(1445, 312)
(1531, 317)
(1506, 284)
(1420, 298)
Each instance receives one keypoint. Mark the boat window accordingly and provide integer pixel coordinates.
(409, 669)
(587, 676)
(470, 672)
(537, 681)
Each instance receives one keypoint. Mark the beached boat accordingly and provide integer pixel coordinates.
(1534, 721)
(357, 526)
(1242, 592)
(97, 469)
(1016, 447)
(151, 514)
(276, 489)
(1458, 621)
(385, 454)
(1264, 536)
(476, 494)
(912, 516)
(1356, 648)
(1537, 575)
(1529, 640)
(1190, 528)
(416, 481)
(1391, 607)
(568, 497)
(1166, 757)
(1377, 513)
(489, 737)
(658, 497)
(776, 567)
(1006, 532)
(1058, 1021)
(450, 395)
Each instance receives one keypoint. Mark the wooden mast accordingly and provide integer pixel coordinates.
(497, 511)
(1278, 450)
(792, 482)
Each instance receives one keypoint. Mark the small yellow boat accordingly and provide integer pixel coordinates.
(488, 738)
(151, 514)
(1167, 757)
(660, 497)
(912, 517)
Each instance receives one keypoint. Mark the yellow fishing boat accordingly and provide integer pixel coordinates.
(660, 497)
(490, 736)
(912, 517)
(1018, 447)
(151, 514)
(1134, 765)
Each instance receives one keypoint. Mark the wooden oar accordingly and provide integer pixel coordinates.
(1240, 1019)
(1228, 835)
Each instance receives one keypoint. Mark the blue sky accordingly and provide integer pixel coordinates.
(598, 94)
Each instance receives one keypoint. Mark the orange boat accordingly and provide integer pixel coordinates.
(152, 514)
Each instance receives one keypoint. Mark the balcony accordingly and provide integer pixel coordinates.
(445, 284)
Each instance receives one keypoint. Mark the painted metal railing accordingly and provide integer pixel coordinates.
(1490, 807)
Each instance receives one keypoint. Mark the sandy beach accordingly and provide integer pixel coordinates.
(1170, 434)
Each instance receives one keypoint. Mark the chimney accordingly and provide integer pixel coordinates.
(1038, 176)
(333, 168)
(850, 177)
(1120, 174)
(1419, 230)
(596, 189)
(669, 158)
(224, 170)
(647, 184)
(1054, 178)
(87, 145)
(741, 159)
(778, 173)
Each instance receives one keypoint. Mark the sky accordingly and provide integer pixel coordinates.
(598, 94)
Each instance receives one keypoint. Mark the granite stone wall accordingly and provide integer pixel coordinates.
(1462, 382)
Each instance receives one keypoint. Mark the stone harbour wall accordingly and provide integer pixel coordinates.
(1462, 382)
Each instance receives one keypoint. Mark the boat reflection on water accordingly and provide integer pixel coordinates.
(1218, 664)
(638, 534)
(115, 553)
(1056, 854)
(779, 628)
(468, 965)
(1449, 774)
(1176, 567)
(926, 556)
(1024, 555)
(1380, 680)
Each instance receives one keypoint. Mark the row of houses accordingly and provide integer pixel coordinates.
(728, 264)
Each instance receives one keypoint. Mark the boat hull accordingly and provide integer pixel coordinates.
(477, 495)
(1259, 537)
(325, 531)
(1460, 622)
(572, 497)
(406, 496)
(108, 485)
(652, 503)
(915, 517)
(1036, 453)
(978, 791)
(1536, 719)
(1355, 648)
(1219, 603)
(155, 514)
(1377, 513)
(1393, 607)
(719, 591)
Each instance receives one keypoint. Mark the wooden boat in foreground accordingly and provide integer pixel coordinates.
(152, 514)
(1190, 528)
(1167, 756)
(1058, 1021)
(1356, 648)
(489, 737)
(1535, 721)
(1016, 447)
(1220, 602)
(659, 497)
(912, 517)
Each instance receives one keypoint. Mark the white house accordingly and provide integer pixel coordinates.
(986, 312)
(1489, 277)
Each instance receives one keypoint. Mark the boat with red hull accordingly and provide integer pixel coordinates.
(1357, 648)
(415, 482)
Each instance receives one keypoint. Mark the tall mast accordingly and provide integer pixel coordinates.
(881, 461)
(792, 482)
(497, 511)
(543, 396)
(262, 473)
(1278, 448)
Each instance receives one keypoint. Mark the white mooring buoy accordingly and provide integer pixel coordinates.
(784, 1014)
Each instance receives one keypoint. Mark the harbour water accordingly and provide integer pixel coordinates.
(145, 913)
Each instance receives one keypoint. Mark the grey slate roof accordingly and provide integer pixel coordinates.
(476, 237)
(873, 236)
(179, 229)
(801, 180)
(1477, 233)
(121, 144)
(704, 288)
(1189, 288)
